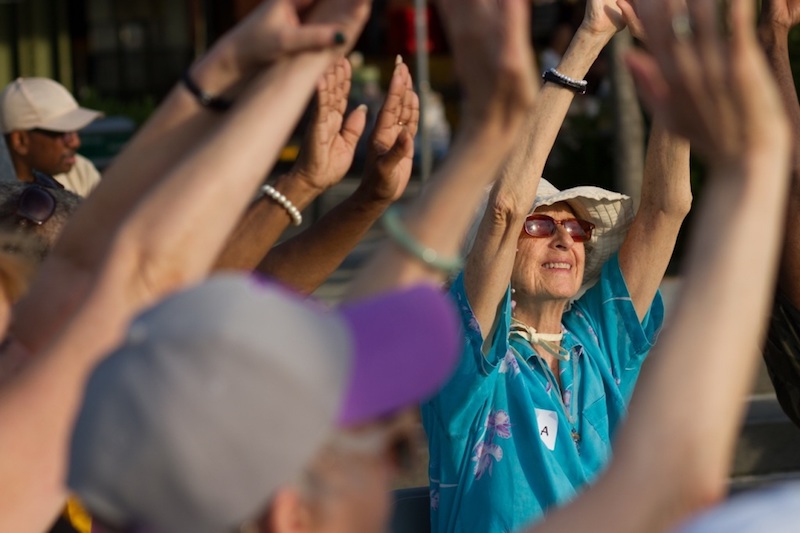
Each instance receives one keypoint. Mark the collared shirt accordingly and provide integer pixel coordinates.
(501, 443)
(81, 179)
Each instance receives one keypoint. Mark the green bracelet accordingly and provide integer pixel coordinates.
(395, 229)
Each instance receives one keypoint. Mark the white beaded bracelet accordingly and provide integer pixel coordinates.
(294, 213)
(554, 76)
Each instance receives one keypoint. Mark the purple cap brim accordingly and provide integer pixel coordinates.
(406, 345)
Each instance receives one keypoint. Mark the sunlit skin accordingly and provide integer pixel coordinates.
(45, 153)
(357, 495)
(351, 488)
(5, 312)
(548, 272)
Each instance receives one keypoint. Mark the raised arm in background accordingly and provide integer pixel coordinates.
(679, 437)
(496, 70)
(665, 201)
(666, 196)
(173, 132)
(168, 238)
(306, 260)
(491, 260)
(325, 156)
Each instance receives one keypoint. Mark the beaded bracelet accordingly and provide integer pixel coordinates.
(281, 200)
(554, 76)
(398, 233)
(215, 103)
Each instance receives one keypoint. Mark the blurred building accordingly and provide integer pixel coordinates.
(127, 48)
(116, 48)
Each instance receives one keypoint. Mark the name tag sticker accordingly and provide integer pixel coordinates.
(548, 427)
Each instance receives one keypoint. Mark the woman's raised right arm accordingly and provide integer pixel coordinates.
(673, 454)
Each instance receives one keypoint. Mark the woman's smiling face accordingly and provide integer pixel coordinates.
(549, 268)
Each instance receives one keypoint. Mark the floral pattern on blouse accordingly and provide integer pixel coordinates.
(486, 451)
(509, 362)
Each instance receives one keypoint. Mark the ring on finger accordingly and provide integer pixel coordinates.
(682, 26)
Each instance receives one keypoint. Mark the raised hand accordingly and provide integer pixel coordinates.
(603, 17)
(273, 30)
(783, 13)
(277, 29)
(493, 59)
(631, 18)
(390, 154)
(713, 89)
(348, 15)
(331, 138)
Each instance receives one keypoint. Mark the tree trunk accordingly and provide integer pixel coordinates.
(628, 122)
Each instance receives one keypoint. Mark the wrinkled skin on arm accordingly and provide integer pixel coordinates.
(743, 135)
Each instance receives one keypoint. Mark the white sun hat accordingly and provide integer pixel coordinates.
(610, 212)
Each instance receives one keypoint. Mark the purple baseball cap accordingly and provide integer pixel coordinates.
(224, 392)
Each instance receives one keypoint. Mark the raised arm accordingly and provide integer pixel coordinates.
(679, 437)
(665, 202)
(489, 264)
(776, 19)
(180, 123)
(305, 261)
(211, 158)
(494, 63)
(325, 157)
(169, 239)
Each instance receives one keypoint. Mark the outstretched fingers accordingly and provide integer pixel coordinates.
(354, 125)
(393, 114)
(412, 125)
(707, 79)
(392, 109)
(497, 59)
(408, 104)
(343, 77)
(631, 18)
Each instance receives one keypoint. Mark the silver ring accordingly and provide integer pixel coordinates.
(682, 26)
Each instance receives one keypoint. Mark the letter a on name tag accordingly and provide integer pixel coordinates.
(548, 427)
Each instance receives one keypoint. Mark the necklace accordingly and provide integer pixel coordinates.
(551, 343)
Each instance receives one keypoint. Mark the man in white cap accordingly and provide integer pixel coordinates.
(40, 121)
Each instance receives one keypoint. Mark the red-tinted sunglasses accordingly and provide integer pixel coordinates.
(545, 226)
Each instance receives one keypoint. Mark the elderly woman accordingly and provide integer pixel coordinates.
(546, 374)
